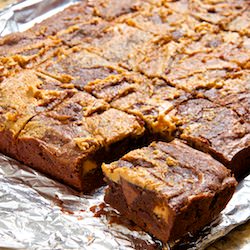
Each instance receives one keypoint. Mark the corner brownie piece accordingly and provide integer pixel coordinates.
(168, 189)
(217, 130)
(21, 98)
(70, 142)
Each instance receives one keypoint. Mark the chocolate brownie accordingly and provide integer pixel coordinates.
(83, 33)
(163, 21)
(78, 67)
(233, 92)
(189, 64)
(71, 16)
(165, 185)
(217, 12)
(22, 97)
(14, 58)
(217, 130)
(118, 41)
(38, 34)
(112, 9)
(150, 99)
(71, 141)
(241, 23)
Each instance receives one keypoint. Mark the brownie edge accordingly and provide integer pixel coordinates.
(165, 185)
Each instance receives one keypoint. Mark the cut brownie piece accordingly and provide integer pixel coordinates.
(165, 185)
(189, 65)
(38, 34)
(164, 21)
(135, 94)
(217, 130)
(83, 32)
(111, 9)
(233, 92)
(78, 67)
(217, 12)
(118, 41)
(22, 97)
(14, 58)
(71, 141)
(71, 16)
(241, 23)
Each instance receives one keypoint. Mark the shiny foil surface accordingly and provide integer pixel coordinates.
(39, 213)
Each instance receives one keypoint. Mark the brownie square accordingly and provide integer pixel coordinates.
(165, 185)
(78, 67)
(217, 130)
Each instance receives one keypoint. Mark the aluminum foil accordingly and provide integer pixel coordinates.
(39, 213)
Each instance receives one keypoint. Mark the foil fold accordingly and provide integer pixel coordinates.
(39, 213)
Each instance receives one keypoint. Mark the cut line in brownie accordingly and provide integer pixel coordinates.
(165, 185)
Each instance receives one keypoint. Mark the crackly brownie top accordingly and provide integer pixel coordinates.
(174, 170)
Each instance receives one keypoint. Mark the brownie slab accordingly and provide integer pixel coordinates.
(165, 185)
(71, 141)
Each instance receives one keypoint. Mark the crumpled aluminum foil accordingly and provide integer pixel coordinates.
(39, 213)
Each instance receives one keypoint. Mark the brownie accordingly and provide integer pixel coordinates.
(111, 9)
(22, 97)
(241, 23)
(22, 41)
(189, 64)
(72, 140)
(119, 85)
(74, 26)
(118, 41)
(163, 21)
(83, 33)
(78, 66)
(217, 12)
(165, 185)
(71, 16)
(233, 92)
(150, 99)
(217, 130)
